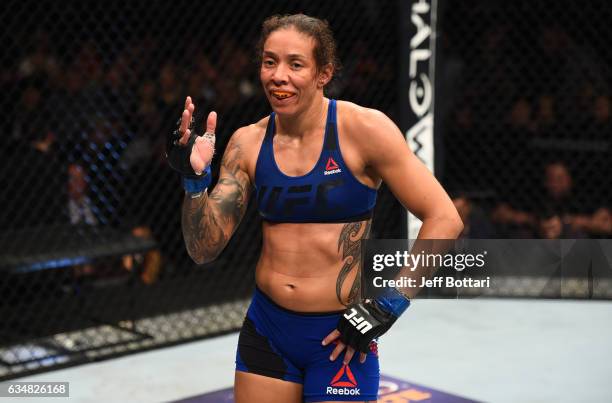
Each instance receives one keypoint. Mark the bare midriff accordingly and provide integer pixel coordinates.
(300, 264)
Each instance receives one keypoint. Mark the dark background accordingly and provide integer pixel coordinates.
(90, 212)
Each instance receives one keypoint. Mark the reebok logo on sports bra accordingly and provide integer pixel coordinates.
(328, 193)
(331, 167)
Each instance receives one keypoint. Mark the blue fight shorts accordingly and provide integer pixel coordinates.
(284, 344)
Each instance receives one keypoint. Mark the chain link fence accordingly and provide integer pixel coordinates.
(93, 262)
(526, 122)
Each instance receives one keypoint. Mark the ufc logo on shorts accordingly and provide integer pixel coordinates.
(360, 324)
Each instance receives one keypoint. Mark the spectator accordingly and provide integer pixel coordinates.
(601, 222)
(32, 190)
(28, 122)
(598, 224)
(149, 264)
(551, 226)
(80, 207)
(546, 118)
(102, 150)
(476, 224)
(514, 168)
(71, 108)
(147, 127)
(40, 61)
(557, 195)
(558, 185)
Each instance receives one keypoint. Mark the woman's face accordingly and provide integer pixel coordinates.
(289, 71)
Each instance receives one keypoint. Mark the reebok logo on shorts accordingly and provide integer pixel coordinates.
(331, 167)
(343, 383)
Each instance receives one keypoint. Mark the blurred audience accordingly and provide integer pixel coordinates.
(148, 264)
(99, 119)
(476, 223)
(551, 225)
(80, 207)
(556, 194)
(558, 189)
(598, 224)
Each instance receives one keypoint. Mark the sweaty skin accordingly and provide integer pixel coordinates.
(305, 267)
(313, 267)
(309, 267)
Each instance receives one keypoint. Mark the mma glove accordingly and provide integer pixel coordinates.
(178, 158)
(363, 322)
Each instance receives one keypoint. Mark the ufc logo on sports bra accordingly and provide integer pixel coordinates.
(360, 324)
(285, 198)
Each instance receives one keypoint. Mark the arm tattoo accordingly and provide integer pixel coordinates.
(231, 193)
(350, 245)
(209, 222)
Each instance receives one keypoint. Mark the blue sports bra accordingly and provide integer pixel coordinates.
(328, 193)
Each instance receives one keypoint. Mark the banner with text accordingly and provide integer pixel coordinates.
(418, 27)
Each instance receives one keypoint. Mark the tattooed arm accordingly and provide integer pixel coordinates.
(349, 244)
(208, 222)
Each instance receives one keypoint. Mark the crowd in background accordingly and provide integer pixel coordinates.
(528, 126)
(526, 130)
(85, 134)
(90, 90)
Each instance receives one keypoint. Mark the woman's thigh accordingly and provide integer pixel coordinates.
(249, 388)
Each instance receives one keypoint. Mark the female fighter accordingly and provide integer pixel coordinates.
(313, 166)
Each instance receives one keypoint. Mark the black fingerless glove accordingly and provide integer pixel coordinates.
(178, 159)
(364, 322)
(177, 154)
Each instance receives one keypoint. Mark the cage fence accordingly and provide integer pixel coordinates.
(92, 258)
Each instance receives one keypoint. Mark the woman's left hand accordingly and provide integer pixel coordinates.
(334, 336)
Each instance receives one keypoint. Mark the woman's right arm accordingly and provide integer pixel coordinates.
(209, 221)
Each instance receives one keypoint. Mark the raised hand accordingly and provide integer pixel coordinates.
(187, 152)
